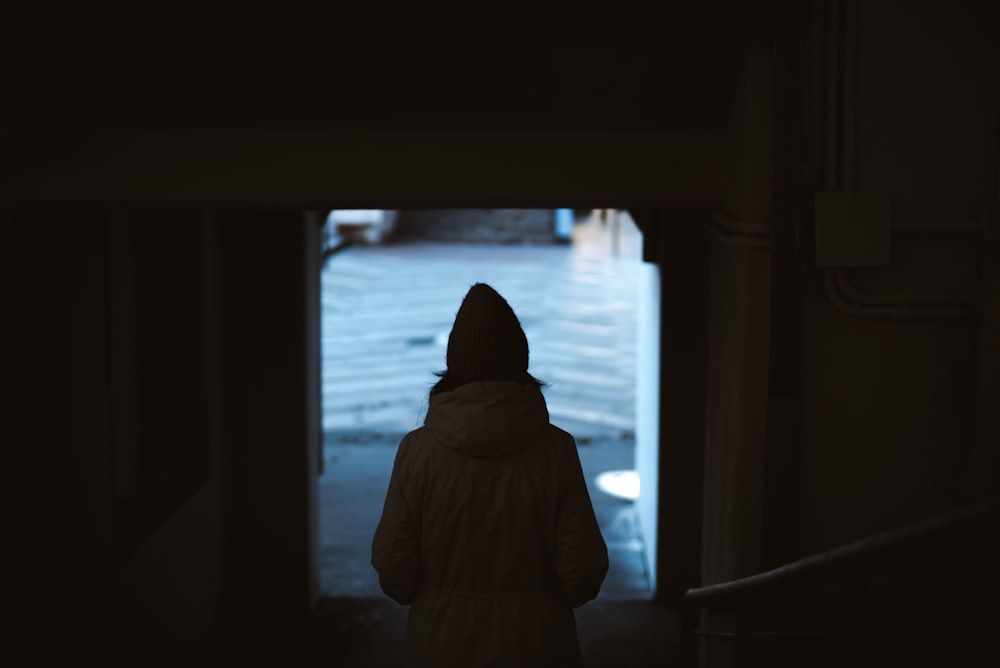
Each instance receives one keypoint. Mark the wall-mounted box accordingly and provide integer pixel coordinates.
(852, 230)
(991, 221)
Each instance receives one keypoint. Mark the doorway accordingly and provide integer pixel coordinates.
(388, 301)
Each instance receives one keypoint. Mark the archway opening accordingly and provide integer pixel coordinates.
(390, 288)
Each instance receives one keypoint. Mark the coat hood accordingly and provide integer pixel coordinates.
(487, 418)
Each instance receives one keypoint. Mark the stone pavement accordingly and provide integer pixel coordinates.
(387, 311)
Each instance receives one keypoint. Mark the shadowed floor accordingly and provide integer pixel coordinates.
(619, 634)
(368, 633)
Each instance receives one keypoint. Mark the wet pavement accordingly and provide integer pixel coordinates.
(387, 311)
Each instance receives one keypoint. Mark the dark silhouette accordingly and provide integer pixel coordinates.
(488, 531)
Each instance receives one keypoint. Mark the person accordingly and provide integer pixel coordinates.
(488, 531)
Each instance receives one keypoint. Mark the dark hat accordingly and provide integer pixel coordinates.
(486, 341)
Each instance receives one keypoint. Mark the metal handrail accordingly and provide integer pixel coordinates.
(865, 552)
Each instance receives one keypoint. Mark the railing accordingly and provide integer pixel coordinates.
(761, 616)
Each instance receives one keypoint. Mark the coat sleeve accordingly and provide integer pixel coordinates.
(396, 545)
(581, 556)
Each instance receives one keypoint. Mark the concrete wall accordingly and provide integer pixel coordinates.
(895, 423)
(367, 169)
(478, 225)
(117, 398)
(736, 410)
(269, 301)
(647, 414)
(56, 371)
(865, 396)
(736, 401)
(170, 432)
(890, 402)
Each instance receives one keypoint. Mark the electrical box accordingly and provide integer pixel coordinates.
(991, 221)
(852, 230)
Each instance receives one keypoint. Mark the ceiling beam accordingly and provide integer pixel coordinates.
(374, 169)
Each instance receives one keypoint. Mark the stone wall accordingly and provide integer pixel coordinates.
(478, 225)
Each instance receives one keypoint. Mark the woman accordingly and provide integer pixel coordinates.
(488, 532)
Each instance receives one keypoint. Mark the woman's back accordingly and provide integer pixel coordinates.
(488, 531)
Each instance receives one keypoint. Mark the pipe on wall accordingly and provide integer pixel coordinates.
(916, 299)
(889, 312)
(939, 228)
(841, 140)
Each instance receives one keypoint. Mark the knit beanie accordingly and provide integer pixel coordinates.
(486, 341)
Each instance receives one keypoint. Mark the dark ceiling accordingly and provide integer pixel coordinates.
(313, 65)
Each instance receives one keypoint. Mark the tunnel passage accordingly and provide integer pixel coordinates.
(387, 307)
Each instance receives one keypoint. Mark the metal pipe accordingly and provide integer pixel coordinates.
(848, 46)
(897, 312)
(954, 532)
(963, 227)
(902, 298)
(832, 94)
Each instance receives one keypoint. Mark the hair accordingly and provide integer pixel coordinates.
(449, 381)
